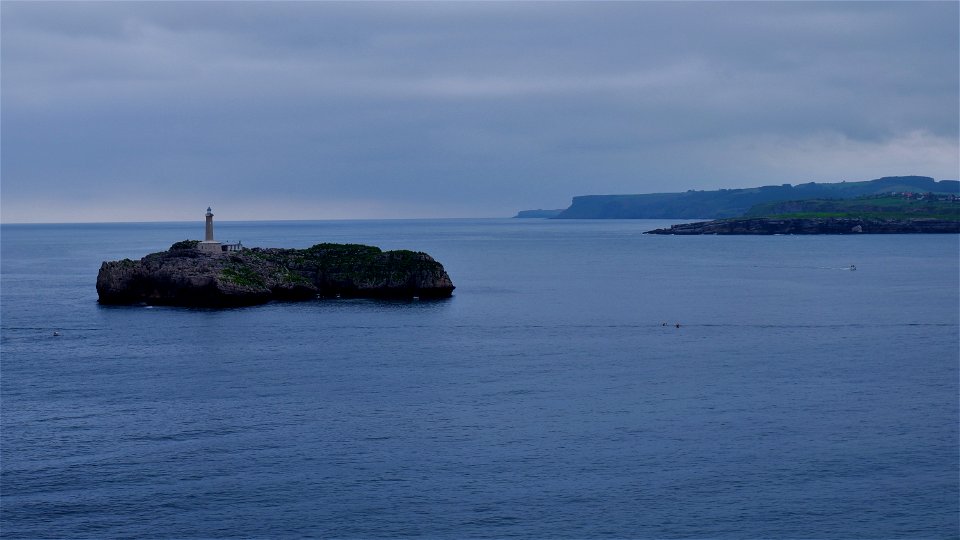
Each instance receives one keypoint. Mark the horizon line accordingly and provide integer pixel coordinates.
(147, 222)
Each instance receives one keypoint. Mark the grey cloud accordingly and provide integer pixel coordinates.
(443, 107)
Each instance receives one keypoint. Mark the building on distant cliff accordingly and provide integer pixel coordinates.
(209, 244)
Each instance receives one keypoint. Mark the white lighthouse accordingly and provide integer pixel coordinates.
(209, 237)
(209, 244)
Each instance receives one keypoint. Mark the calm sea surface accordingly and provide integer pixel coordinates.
(544, 400)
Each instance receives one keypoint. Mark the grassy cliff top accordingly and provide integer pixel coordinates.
(871, 207)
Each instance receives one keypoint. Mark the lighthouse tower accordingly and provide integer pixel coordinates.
(209, 236)
(209, 244)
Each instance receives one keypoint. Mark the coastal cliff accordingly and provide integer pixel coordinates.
(729, 203)
(539, 213)
(813, 226)
(187, 276)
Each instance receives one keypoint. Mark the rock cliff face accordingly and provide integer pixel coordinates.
(526, 214)
(186, 276)
(813, 226)
(729, 203)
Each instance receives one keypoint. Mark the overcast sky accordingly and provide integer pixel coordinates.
(153, 111)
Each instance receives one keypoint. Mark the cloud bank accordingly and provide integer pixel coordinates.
(117, 111)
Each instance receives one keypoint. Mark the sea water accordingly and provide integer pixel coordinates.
(553, 396)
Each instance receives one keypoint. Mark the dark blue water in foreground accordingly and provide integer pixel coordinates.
(545, 399)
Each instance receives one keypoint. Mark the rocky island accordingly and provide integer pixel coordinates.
(187, 275)
(812, 225)
(904, 213)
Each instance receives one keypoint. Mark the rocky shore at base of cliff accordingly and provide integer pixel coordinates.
(187, 276)
(771, 226)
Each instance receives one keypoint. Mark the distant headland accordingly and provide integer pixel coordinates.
(890, 205)
(729, 203)
(524, 214)
(208, 273)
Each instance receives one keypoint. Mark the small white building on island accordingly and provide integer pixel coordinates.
(211, 245)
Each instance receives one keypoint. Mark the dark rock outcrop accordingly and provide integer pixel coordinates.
(814, 226)
(186, 276)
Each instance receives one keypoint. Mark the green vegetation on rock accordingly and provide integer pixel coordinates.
(242, 275)
(872, 207)
(185, 244)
